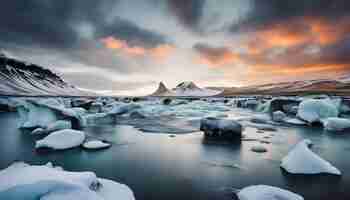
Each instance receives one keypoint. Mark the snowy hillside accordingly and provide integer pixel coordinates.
(21, 78)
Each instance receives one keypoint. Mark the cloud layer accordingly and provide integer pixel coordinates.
(127, 46)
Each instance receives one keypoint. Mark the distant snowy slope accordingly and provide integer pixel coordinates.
(21, 78)
(294, 87)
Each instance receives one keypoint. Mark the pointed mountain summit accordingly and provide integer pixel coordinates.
(162, 90)
(187, 85)
(187, 88)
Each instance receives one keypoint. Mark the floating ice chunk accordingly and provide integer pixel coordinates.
(58, 125)
(278, 116)
(221, 128)
(294, 121)
(96, 107)
(33, 116)
(100, 118)
(265, 192)
(96, 144)
(21, 176)
(46, 182)
(301, 160)
(119, 110)
(41, 112)
(314, 110)
(336, 124)
(63, 139)
(263, 106)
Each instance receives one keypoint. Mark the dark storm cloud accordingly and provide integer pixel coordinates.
(53, 24)
(130, 32)
(266, 13)
(188, 12)
(35, 21)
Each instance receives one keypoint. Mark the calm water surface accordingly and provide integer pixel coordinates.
(160, 167)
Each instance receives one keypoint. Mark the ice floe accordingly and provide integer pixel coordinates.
(46, 182)
(265, 192)
(301, 160)
(314, 110)
(336, 124)
(62, 139)
(96, 144)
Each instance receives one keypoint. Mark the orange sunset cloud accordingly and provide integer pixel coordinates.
(159, 52)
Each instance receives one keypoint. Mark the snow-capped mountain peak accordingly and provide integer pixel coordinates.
(187, 88)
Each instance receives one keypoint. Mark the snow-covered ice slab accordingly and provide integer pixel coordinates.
(265, 192)
(301, 160)
(278, 116)
(41, 112)
(96, 144)
(33, 116)
(45, 182)
(63, 139)
(314, 110)
(336, 124)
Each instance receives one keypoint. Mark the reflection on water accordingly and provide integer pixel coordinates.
(187, 166)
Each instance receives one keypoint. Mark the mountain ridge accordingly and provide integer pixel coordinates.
(26, 79)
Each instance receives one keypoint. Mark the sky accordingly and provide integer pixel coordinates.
(126, 47)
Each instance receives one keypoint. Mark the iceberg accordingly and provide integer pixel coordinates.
(265, 192)
(301, 160)
(314, 110)
(46, 182)
(62, 139)
(58, 125)
(34, 116)
(278, 116)
(36, 113)
(336, 124)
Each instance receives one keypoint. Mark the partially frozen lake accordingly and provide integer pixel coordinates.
(186, 166)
